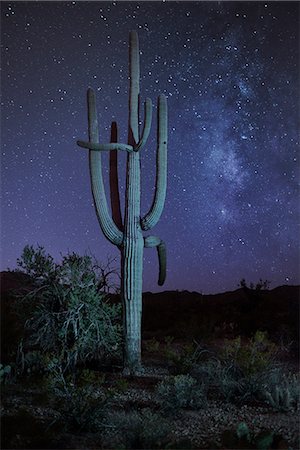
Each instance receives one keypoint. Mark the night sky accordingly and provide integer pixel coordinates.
(230, 71)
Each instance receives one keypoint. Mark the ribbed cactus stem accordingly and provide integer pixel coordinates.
(109, 229)
(114, 180)
(128, 235)
(147, 124)
(154, 241)
(133, 242)
(105, 147)
(134, 88)
(153, 216)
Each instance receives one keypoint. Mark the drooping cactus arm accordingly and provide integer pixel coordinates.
(154, 241)
(152, 217)
(113, 180)
(109, 229)
(105, 147)
(147, 124)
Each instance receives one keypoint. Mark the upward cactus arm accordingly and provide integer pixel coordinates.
(113, 180)
(147, 124)
(110, 230)
(154, 214)
(134, 88)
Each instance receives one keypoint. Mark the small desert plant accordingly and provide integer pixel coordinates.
(152, 345)
(138, 429)
(241, 370)
(243, 437)
(81, 403)
(183, 357)
(284, 395)
(245, 367)
(181, 391)
(70, 317)
(251, 357)
(236, 387)
(5, 372)
(122, 385)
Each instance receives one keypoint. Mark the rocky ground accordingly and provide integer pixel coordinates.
(27, 414)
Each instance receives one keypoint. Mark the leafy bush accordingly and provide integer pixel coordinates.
(138, 429)
(70, 317)
(181, 391)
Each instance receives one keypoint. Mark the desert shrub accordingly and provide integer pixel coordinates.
(152, 345)
(243, 437)
(121, 385)
(138, 429)
(181, 391)
(241, 371)
(182, 358)
(5, 371)
(271, 385)
(80, 403)
(71, 318)
(236, 388)
(36, 263)
(251, 357)
(245, 367)
(283, 394)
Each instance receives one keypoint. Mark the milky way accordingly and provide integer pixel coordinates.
(230, 71)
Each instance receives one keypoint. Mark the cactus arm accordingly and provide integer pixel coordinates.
(147, 124)
(105, 147)
(109, 229)
(113, 180)
(152, 217)
(151, 241)
(134, 88)
(154, 241)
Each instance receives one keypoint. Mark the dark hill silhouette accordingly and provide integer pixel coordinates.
(186, 315)
(243, 311)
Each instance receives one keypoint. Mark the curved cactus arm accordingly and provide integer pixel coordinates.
(154, 241)
(113, 180)
(152, 217)
(109, 229)
(105, 147)
(151, 241)
(147, 124)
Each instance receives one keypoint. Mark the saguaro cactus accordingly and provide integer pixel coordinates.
(127, 234)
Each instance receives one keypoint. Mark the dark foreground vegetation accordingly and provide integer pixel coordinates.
(220, 371)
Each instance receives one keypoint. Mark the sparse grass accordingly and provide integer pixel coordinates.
(181, 391)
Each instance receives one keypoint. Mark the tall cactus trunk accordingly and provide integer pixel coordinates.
(133, 242)
(128, 235)
(132, 268)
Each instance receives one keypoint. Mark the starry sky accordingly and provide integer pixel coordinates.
(230, 71)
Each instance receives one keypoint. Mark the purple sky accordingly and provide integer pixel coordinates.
(230, 71)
